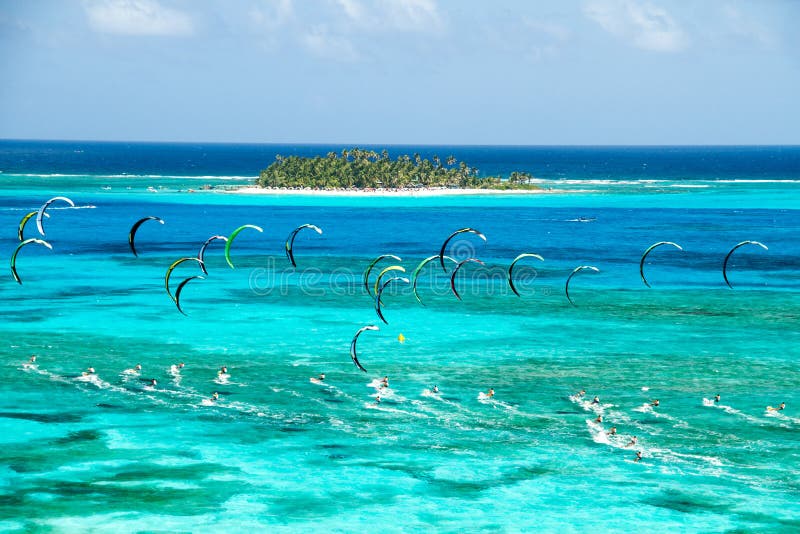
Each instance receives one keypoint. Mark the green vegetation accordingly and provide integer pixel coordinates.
(362, 169)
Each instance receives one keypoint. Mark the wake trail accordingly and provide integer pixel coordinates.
(782, 417)
(732, 411)
(650, 410)
(601, 436)
(387, 409)
(668, 456)
(606, 411)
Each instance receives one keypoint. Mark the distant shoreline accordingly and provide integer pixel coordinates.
(385, 192)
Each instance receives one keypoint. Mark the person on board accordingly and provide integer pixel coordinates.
(632, 442)
(596, 400)
(612, 432)
(716, 398)
(655, 403)
(638, 456)
(780, 407)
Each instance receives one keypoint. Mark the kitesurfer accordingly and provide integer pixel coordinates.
(612, 432)
(222, 371)
(435, 389)
(214, 397)
(321, 377)
(655, 403)
(490, 394)
(632, 442)
(32, 359)
(89, 371)
(596, 400)
(638, 456)
(385, 382)
(599, 419)
(780, 407)
(716, 398)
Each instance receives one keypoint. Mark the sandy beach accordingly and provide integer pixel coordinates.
(421, 192)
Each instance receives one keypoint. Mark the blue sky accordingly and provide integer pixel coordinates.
(402, 71)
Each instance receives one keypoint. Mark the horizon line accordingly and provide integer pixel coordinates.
(372, 144)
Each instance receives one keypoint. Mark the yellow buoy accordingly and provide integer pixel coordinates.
(401, 338)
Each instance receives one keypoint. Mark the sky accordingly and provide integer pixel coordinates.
(505, 72)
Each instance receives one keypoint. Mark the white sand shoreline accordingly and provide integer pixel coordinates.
(421, 192)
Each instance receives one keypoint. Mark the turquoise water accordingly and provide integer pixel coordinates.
(280, 452)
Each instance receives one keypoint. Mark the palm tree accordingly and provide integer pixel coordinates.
(366, 168)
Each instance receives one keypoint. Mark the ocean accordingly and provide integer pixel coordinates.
(278, 451)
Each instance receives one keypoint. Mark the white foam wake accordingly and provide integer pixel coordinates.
(731, 411)
(600, 435)
(781, 416)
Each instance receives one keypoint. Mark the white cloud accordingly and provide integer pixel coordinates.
(742, 26)
(352, 10)
(320, 42)
(544, 38)
(413, 15)
(392, 15)
(136, 17)
(352, 26)
(343, 30)
(642, 24)
(272, 14)
(548, 29)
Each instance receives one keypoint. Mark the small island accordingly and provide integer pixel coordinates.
(366, 170)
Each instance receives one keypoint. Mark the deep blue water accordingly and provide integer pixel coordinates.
(585, 163)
